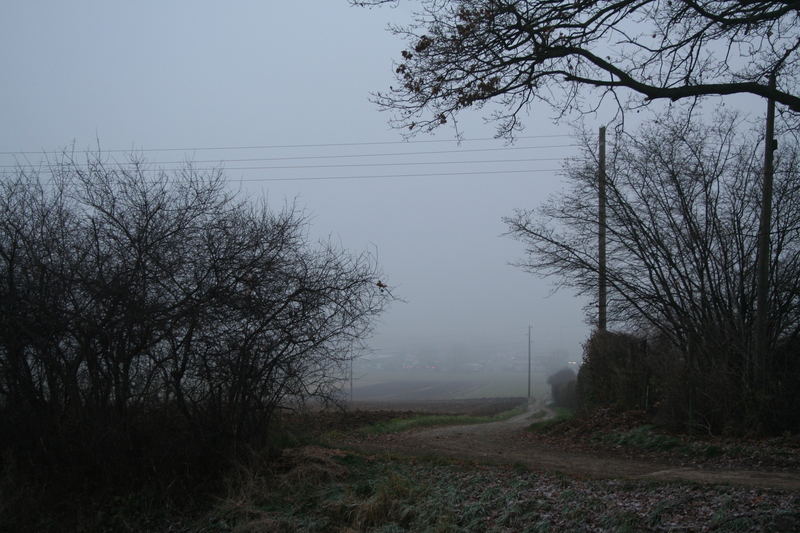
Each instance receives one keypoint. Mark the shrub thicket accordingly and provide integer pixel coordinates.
(151, 322)
(649, 374)
(562, 388)
(614, 372)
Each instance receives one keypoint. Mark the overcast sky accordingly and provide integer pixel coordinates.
(296, 77)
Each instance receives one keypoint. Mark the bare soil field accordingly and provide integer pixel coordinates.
(470, 406)
(433, 386)
(422, 390)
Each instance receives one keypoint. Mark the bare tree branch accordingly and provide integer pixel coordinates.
(465, 53)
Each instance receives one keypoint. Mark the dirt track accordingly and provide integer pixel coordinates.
(499, 442)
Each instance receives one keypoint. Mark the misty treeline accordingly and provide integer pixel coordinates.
(147, 314)
(683, 207)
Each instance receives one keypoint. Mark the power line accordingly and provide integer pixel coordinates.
(282, 146)
(379, 176)
(392, 176)
(336, 156)
(356, 165)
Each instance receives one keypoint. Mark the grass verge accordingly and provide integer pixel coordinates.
(353, 492)
(632, 434)
(397, 425)
(643, 437)
(562, 414)
(647, 437)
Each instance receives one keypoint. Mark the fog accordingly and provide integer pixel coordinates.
(288, 84)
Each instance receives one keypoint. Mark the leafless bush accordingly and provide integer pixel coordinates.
(140, 309)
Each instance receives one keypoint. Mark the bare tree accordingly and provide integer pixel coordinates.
(466, 53)
(130, 293)
(682, 238)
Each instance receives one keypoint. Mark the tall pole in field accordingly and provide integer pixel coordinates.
(351, 380)
(762, 288)
(529, 363)
(601, 254)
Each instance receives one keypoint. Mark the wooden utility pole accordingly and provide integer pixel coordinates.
(762, 288)
(601, 176)
(351, 380)
(529, 364)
